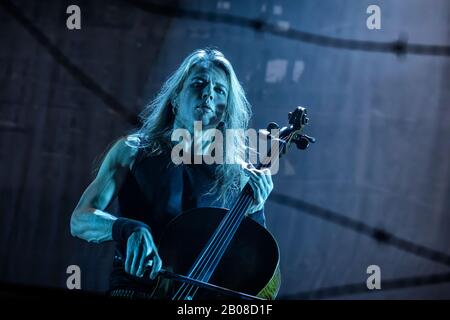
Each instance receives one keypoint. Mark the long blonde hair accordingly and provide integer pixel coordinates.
(157, 119)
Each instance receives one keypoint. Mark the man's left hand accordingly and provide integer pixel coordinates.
(262, 185)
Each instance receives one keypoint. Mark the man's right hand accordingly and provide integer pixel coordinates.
(142, 254)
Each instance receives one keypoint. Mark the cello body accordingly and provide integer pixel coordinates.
(250, 263)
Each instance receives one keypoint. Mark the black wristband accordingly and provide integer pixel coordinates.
(123, 228)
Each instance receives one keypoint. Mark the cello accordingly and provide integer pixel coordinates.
(230, 255)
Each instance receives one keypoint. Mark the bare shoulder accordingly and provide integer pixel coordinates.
(123, 152)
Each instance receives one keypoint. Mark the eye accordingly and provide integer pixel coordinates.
(197, 83)
(220, 90)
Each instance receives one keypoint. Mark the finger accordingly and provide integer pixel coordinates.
(270, 180)
(129, 260)
(256, 191)
(262, 172)
(251, 168)
(267, 185)
(157, 264)
(263, 175)
(260, 198)
(255, 178)
(136, 258)
(143, 263)
(266, 182)
(250, 173)
(257, 173)
(252, 184)
(261, 183)
(148, 261)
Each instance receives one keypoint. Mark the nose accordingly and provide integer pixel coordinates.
(207, 93)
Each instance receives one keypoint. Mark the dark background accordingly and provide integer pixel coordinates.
(381, 118)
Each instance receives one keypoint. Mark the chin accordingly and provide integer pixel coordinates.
(206, 122)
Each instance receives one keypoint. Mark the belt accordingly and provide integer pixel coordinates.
(130, 294)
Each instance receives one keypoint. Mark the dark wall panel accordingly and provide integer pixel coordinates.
(381, 121)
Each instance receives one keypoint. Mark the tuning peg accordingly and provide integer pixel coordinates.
(302, 143)
(310, 139)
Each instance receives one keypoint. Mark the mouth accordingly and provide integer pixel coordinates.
(204, 107)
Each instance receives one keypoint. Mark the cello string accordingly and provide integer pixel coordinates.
(224, 245)
(200, 261)
(233, 227)
(271, 159)
(233, 213)
(212, 247)
(219, 245)
(196, 271)
(218, 234)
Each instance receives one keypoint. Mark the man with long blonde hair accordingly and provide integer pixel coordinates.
(151, 189)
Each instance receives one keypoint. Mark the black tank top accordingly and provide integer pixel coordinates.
(155, 191)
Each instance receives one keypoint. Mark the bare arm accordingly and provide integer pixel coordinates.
(89, 220)
(91, 223)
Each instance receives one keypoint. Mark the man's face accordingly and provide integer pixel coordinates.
(203, 97)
